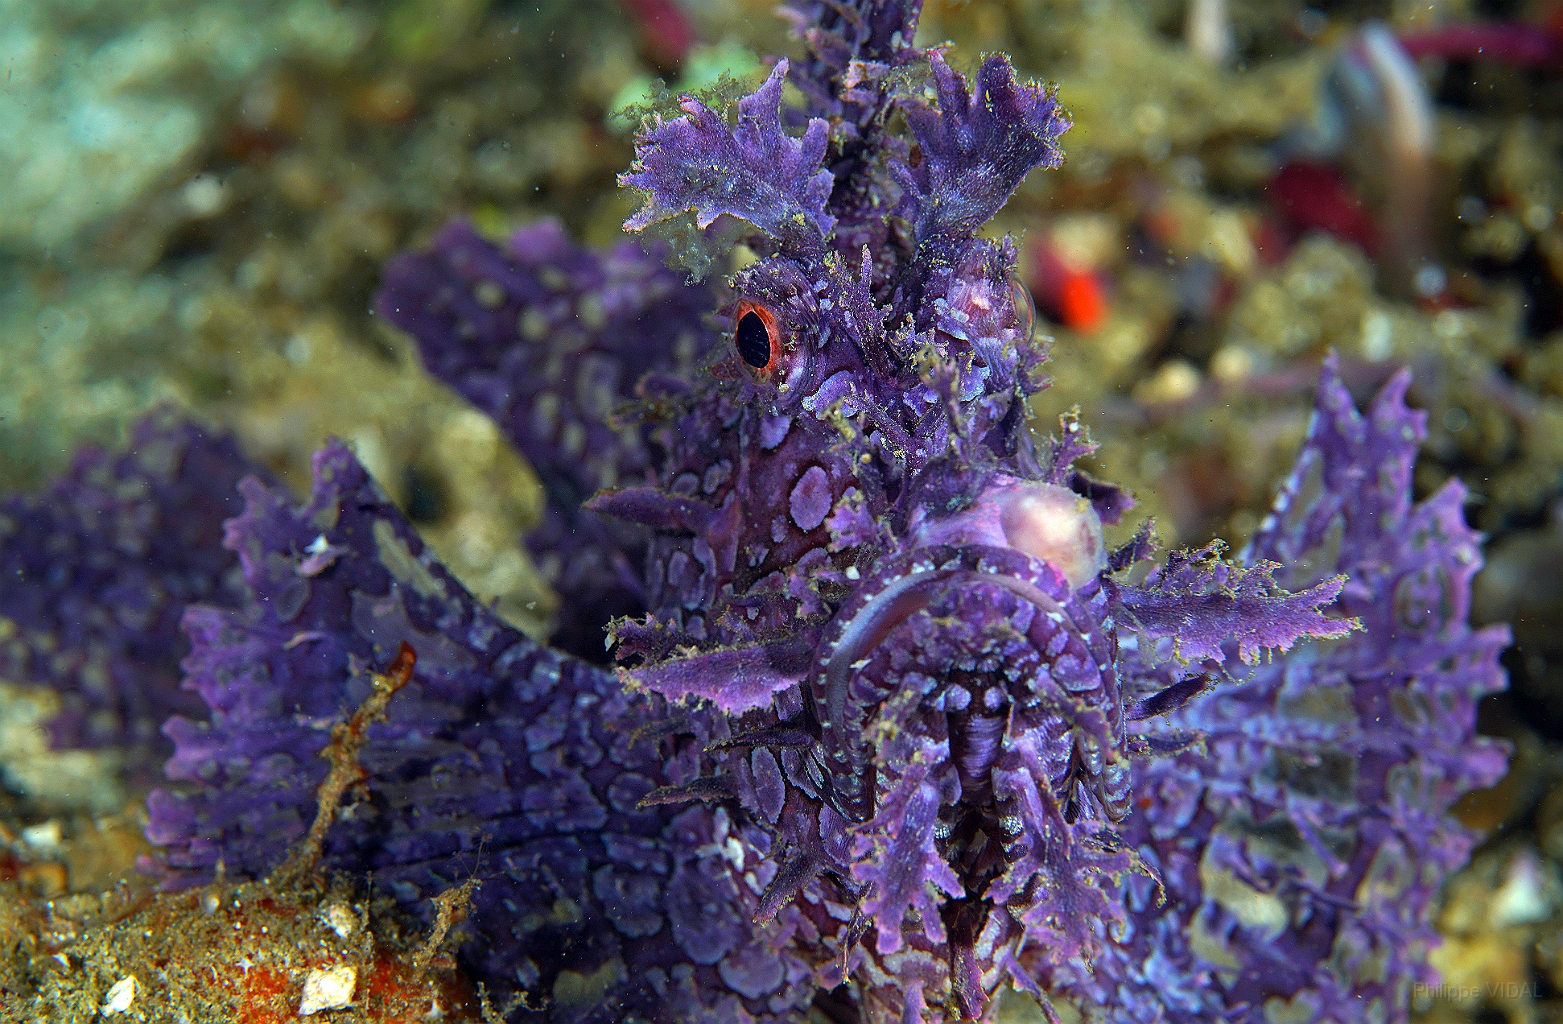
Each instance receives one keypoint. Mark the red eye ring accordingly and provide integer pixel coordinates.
(756, 338)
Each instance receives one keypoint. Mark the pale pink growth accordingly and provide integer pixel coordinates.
(1046, 521)
(1056, 525)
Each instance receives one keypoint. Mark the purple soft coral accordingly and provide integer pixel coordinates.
(946, 741)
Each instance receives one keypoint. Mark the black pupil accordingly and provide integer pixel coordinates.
(754, 341)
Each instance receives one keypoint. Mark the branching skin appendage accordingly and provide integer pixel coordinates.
(891, 726)
(346, 741)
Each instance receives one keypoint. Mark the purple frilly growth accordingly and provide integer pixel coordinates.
(755, 172)
(550, 339)
(501, 759)
(96, 571)
(1302, 841)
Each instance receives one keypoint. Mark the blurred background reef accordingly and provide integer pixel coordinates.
(199, 195)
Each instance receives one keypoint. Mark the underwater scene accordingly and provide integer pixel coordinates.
(854, 512)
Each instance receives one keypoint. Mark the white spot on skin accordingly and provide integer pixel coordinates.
(733, 850)
(322, 553)
(328, 988)
(119, 996)
(1523, 897)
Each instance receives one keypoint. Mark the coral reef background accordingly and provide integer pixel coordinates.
(201, 195)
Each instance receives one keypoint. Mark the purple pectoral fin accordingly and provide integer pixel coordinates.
(549, 339)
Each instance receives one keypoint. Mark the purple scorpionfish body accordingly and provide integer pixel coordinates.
(891, 727)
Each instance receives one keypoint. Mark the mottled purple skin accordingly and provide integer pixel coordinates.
(500, 759)
(936, 765)
(549, 339)
(96, 571)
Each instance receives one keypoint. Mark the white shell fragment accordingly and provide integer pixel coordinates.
(328, 988)
(43, 837)
(119, 996)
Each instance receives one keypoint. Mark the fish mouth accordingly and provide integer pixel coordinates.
(967, 714)
(899, 590)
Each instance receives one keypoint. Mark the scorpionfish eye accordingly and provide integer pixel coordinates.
(757, 338)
